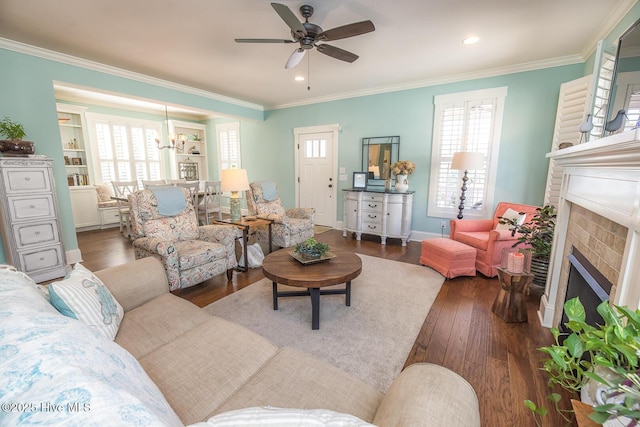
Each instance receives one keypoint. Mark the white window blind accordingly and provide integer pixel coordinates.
(124, 149)
(573, 107)
(228, 145)
(468, 121)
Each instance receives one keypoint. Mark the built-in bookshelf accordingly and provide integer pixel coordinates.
(191, 157)
(70, 121)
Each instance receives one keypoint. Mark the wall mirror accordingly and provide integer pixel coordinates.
(378, 154)
(625, 89)
(603, 68)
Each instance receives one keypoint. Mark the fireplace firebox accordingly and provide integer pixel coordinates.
(589, 285)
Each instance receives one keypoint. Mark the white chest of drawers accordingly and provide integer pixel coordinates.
(381, 213)
(29, 217)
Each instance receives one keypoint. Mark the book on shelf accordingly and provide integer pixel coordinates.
(77, 179)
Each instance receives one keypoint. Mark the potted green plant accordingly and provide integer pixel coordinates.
(592, 353)
(11, 130)
(311, 249)
(537, 234)
(13, 133)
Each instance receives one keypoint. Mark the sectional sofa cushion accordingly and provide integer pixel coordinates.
(44, 363)
(304, 381)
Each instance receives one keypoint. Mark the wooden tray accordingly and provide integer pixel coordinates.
(326, 257)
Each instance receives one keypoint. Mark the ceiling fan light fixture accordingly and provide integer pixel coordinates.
(295, 58)
(471, 40)
(308, 35)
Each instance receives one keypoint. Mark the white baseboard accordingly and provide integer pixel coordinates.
(416, 236)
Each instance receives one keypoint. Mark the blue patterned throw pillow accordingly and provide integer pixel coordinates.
(84, 297)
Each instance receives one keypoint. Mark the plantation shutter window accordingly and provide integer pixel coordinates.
(124, 149)
(228, 145)
(468, 121)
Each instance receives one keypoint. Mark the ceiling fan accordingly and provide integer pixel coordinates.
(308, 35)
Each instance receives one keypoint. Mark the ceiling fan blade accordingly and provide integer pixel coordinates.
(289, 18)
(349, 30)
(337, 53)
(295, 58)
(264, 41)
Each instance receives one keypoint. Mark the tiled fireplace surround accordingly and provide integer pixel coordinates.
(599, 214)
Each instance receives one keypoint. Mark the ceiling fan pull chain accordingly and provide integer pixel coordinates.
(308, 72)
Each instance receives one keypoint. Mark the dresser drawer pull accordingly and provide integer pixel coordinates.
(27, 178)
(41, 258)
(37, 233)
(372, 227)
(32, 206)
(373, 206)
(372, 216)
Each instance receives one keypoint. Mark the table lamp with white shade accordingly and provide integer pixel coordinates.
(234, 181)
(466, 161)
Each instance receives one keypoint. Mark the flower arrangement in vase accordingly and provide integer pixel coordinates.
(402, 169)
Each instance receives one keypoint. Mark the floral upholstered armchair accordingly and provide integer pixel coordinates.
(190, 253)
(488, 236)
(290, 226)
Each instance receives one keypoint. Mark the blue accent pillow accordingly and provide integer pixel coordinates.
(170, 200)
(84, 297)
(269, 191)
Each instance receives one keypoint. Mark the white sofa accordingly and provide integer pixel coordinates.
(173, 364)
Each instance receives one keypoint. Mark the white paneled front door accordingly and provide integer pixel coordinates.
(316, 172)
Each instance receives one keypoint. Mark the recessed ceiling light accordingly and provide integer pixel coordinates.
(471, 40)
(299, 78)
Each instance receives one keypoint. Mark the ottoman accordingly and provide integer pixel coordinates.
(448, 257)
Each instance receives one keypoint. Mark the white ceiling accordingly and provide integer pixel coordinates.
(416, 42)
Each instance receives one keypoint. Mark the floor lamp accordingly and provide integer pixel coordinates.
(235, 181)
(466, 161)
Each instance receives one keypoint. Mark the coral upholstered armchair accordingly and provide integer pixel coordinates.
(488, 236)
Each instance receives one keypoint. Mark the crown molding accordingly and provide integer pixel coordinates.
(455, 78)
(119, 72)
(608, 26)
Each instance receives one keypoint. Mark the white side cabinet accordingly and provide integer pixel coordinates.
(84, 203)
(381, 213)
(29, 217)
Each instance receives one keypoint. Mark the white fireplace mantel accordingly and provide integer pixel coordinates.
(602, 176)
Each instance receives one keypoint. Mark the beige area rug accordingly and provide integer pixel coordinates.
(370, 339)
(319, 229)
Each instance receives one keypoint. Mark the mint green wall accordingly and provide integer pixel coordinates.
(26, 84)
(530, 109)
(27, 96)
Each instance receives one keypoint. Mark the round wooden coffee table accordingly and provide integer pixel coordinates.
(281, 267)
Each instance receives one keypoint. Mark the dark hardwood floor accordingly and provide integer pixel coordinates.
(460, 332)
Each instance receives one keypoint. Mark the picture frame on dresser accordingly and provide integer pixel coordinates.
(360, 180)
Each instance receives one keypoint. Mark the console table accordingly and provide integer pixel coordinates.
(384, 213)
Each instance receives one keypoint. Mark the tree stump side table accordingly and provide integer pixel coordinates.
(510, 304)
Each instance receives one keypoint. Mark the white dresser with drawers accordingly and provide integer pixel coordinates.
(29, 220)
(378, 212)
